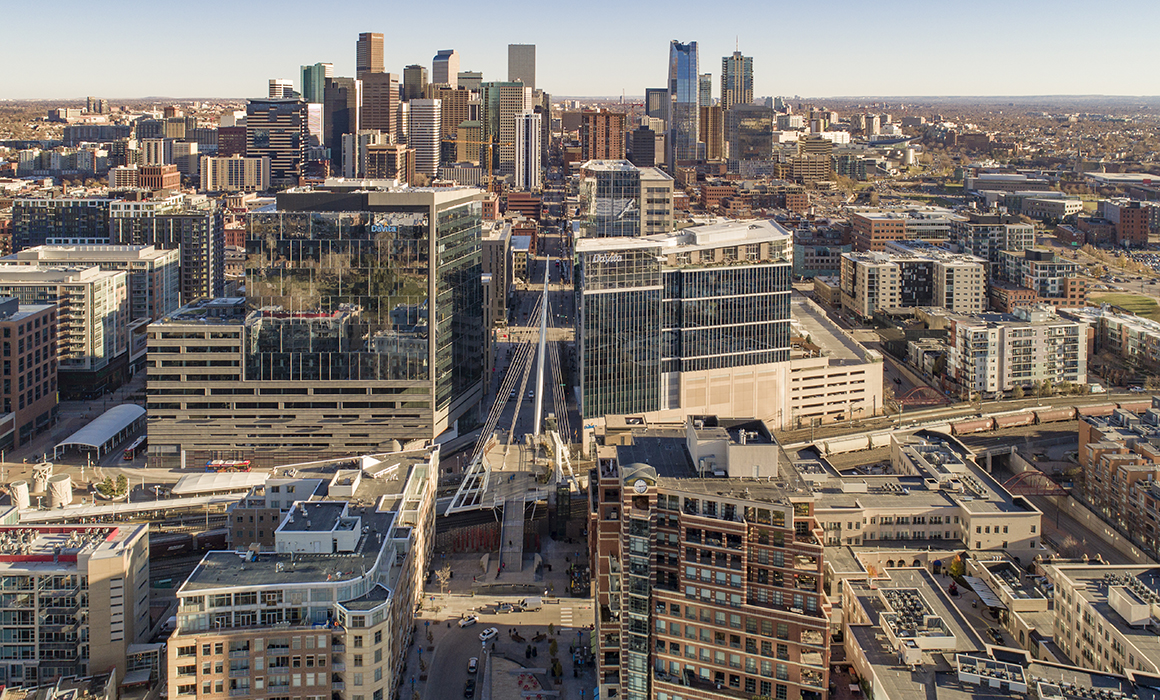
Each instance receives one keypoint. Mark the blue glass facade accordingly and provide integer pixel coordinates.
(684, 103)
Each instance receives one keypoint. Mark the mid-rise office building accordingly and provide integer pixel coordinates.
(445, 68)
(736, 80)
(390, 161)
(991, 352)
(522, 64)
(314, 82)
(528, 167)
(350, 364)
(913, 274)
(619, 199)
(708, 563)
(984, 235)
(158, 177)
(601, 135)
(329, 609)
(78, 600)
(368, 54)
(277, 129)
(36, 221)
(683, 117)
(92, 336)
(457, 105)
(154, 274)
(235, 174)
(30, 385)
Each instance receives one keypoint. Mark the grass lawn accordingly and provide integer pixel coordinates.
(1137, 304)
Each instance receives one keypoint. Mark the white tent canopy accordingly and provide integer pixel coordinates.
(106, 430)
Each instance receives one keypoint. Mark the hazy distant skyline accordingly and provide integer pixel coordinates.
(901, 47)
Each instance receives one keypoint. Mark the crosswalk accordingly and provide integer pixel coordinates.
(565, 617)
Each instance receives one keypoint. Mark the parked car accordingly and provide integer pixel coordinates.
(468, 620)
(504, 608)
(488, 634)
(1136, 389)
(473, 664)
(469, 688)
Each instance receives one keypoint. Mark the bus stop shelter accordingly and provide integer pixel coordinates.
(106, 431)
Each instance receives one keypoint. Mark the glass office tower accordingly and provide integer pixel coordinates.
(684, 103)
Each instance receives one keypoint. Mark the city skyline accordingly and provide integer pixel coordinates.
(976, 59)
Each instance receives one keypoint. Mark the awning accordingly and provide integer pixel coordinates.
(984, 592)
(105, 427)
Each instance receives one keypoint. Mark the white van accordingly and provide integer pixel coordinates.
(532, 604)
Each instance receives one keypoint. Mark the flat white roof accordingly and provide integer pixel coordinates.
(105, 426)
(211, 482)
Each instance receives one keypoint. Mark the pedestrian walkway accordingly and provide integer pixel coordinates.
(511, 549)
(565, 616)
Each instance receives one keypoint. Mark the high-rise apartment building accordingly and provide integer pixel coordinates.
(154, 274)
(329, 609)
(196, 228)
(379, 300)
(277, 129)
(501, 103)
(528, 166)
(314, 80)
(281, 88)
(736, 80)
(713, 131)
(522, 64)
(93, 312)
(683, 106)
(342, 114)
(36, 221)
(380, 103)
(1054, 280)
(708, 567)
(78, 599)
(445, 68)
(368, 54)
(414, 82)
(601, 135)
(425, 135)
(30, 394)
(235, 174)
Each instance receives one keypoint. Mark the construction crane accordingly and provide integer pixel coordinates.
(488, 177)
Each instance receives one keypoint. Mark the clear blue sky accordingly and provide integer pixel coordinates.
(132, 48)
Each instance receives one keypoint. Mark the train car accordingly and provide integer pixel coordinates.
(972, 426)
(214, 540)
(1104, 409)
(1014, 419)
(1136, 406)
(1052, 415)
(169, 544)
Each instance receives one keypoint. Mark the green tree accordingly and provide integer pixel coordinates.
(1017, 392)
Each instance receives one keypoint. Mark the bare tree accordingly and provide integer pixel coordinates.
(443, 575)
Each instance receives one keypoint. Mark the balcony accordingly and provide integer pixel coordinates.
(337, 685)
(239, 692)
(338, 648)
(239, 672)
(240, 654)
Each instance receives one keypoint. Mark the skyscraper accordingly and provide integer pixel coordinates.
(457, 107)
(425, 135)
(414, 82)
(522, 64)
(749, 132)
(314, 81)
(277, 129)
(736, 80)
(280, 87)
(705, 90)
(656, 103)
(445, 68)
(528, 169)
(380, 94)
(501, 103)
(341, 115)
(684, 108)
(713, 131)
(368, 54)
(470, 79)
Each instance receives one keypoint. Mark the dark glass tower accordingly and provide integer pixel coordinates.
(684, 103)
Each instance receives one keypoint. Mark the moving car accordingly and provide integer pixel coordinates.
(468, 620)
(488, 634)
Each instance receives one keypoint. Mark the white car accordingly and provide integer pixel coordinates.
(488, 634)
(468, 620)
